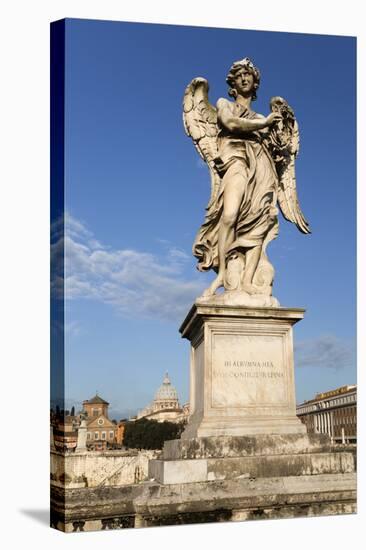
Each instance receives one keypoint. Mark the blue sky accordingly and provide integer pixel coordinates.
(135, 193)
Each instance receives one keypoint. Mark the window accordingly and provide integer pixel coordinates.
(88, 435)
(95, 435)
(103, 435)
(111, 435)
(95, 412)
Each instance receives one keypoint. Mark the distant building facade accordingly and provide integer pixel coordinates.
(165, 406)
(101, 432)
(333, 413)
(121, 426)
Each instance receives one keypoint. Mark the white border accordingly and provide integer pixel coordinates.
(24, 203)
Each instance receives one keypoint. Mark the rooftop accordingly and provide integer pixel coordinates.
(96, 400)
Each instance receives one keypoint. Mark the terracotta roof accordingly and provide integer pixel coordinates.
(96, 399)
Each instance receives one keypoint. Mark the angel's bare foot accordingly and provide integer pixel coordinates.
(210, 291)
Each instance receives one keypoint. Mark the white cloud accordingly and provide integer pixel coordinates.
(133, 282)
(327, 351)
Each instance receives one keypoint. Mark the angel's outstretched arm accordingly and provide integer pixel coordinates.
(239, 125)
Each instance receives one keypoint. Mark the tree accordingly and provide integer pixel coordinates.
(150, 434)
(72, 411)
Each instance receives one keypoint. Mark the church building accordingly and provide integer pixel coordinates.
(101, 432)
(165, 406)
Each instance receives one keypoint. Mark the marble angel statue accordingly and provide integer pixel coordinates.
(251, 159)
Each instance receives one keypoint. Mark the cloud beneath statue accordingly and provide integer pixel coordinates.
(327, 351)
(134, 283)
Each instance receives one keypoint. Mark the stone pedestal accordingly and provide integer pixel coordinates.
(242, 370)
(243, 429)
(249, 457)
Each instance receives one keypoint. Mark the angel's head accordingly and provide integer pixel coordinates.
(243, 77)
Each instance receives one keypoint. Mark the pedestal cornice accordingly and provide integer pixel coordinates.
(204, 310)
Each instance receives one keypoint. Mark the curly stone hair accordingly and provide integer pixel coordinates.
(235, 68)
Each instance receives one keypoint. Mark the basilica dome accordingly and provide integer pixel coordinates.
(166, 391)
(165, 406)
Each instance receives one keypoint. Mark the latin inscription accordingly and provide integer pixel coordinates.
(247, 374)
(248, 364)
(247, 370)
(258, 369)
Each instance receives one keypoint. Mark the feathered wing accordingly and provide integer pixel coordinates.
(200, 123)
(283, 142)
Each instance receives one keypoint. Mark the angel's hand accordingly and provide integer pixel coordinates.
(272, 118)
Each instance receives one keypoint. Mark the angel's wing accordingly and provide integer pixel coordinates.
(283, 143)
(200, 123)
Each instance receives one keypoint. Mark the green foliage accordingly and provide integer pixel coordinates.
(150, 434)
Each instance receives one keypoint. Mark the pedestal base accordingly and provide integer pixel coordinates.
(242, 372)
(224, 458)
(202, 427)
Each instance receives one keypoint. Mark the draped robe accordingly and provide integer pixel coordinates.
(257, 215)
